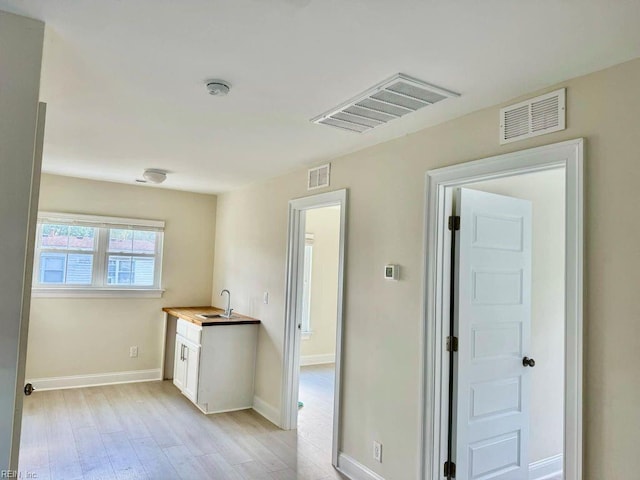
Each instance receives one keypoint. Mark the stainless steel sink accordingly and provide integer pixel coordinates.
(207, 316)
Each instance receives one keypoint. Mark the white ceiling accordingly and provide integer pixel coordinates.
(124, 79)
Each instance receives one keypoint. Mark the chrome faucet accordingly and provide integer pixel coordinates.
(228, 310)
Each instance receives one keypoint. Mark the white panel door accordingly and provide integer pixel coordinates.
(492, 323)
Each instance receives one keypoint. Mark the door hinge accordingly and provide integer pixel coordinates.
(449, 469)
(452, 344)
(454, 222)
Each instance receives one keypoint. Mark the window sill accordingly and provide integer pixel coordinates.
(307, 335)
(40, 292)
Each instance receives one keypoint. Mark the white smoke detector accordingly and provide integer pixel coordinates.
(218, 87)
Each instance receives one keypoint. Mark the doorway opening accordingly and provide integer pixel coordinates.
(504, 295)
(318, 318)
(312, 366)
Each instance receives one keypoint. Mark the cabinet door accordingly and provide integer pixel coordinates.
(190, 388)
(179, 365)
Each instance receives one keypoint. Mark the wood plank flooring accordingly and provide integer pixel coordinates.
(150, 431)
(315, 419)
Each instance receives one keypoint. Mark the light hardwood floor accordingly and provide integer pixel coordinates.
(315, 419)
(150, 431)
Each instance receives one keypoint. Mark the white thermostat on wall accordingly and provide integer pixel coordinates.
(391, 272)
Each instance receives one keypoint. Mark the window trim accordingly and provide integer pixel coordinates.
(99, 287)
(99, 220)
(95, 292)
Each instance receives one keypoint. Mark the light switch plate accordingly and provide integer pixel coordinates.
(377, 451)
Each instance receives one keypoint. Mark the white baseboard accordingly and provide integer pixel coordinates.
(306, 360)
(546, 468)
(93, 380)
(224, 410)
(540, 470)
(267, 410)
(355, 470)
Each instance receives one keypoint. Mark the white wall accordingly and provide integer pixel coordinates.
(383, 320)
(545, 190)
(20, 59)
(324, 224)
(85, 336)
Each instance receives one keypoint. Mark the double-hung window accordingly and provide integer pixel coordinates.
(306, 286)
(88, 255)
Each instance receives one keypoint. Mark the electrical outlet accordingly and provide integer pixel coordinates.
(133, 351)
(265, 298)
(377, 451)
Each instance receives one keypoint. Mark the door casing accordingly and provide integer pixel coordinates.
(438, 202)
(293, 292)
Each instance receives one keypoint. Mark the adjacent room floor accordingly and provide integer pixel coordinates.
(315, 418)
(150, 431)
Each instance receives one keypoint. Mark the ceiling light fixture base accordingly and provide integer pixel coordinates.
(218, 88)
(155, 175)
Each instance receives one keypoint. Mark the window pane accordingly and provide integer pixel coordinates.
(120, 240)
(62, 268)
(52, 268)
(119, 270)
(81, 238)
(67, 237)
(143, 270)
(144, 242)
(137, 271)
(55, 236)
(79, 269)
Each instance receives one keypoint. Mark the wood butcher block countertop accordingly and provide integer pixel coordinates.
(190, 315)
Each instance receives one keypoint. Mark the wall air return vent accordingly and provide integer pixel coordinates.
(318, 177)
(533, 117)
(391, 99)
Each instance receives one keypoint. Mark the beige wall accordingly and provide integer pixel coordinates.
(545, 190)
(20, 58)
(324, 224)
(383, 320)
(73, 336)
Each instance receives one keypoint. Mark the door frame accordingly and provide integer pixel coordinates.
(439, 185)
(293, 304)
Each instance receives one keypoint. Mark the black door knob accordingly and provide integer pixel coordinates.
(528, 362)
(28, 389)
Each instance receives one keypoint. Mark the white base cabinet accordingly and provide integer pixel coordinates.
(214, 366)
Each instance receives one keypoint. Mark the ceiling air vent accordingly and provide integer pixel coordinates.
(382, 103)
(318, 177)
(533, 117)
